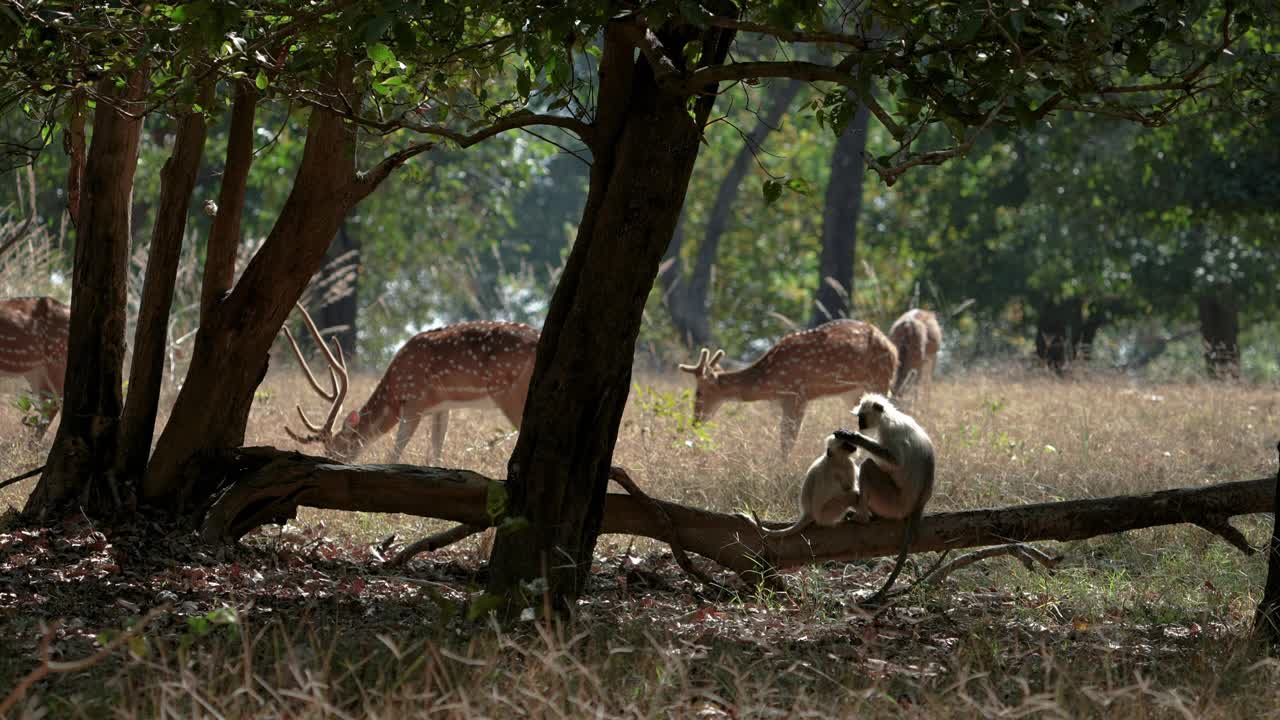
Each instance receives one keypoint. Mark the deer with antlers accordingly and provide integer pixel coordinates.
(470, 364)
(918, 338)
(841, 357)
(33, 344)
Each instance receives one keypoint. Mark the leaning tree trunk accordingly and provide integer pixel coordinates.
(78, 473)
(146, 374)
(688, 298)
(558, 472)
(1266, 624)
(833, 298)
(1220, 328)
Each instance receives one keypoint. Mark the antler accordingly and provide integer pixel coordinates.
(338, 378)
(702, 363)
(706, 361)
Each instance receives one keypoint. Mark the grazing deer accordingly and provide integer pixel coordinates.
(33, 344)
(841, 357)
(469, 364)
(918, 337)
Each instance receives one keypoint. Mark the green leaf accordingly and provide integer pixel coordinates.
(523, 83)
(381, 54)
(772, 191)
(261, 81)
(495, 500)
(969, 28)
(1138, 61)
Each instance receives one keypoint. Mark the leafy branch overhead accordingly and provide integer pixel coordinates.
(464, 72)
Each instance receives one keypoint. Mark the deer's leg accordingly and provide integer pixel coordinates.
(512, 406)
(439, 428)
(404, 433)
(793, 407)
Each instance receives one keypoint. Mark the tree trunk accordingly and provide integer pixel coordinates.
(267, 485)
(224, 233)
(73, 142)
(1220, 328)
(146, 374)
(1266, 624)
(688, 298)
(79, 469)
(1058, 326)
(843, 205)
(231, 349)
(338, 309)
(558, 471)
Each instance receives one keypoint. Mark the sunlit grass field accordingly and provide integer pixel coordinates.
(1146, 624)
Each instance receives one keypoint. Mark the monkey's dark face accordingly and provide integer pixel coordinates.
(869, 415)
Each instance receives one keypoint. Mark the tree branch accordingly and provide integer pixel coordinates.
(858, 42)
(272, 484)
(369, 180)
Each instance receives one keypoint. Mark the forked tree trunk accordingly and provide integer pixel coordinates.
(833, 298)
(688, 297)
(78, 472)
(1266, 624)
(231, 349)
(558, 471)
(1220, 328)
(146, 374)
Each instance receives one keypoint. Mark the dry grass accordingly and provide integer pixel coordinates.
(1148, 624)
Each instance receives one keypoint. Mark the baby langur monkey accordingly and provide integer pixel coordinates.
(828, 490)
(897, 479)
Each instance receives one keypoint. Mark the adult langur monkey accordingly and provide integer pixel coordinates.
(828, 491)
(899, 480)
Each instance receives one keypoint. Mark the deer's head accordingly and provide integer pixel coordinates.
(707, 398)
(347, 443)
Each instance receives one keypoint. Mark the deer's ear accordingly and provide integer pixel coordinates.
(354, 418)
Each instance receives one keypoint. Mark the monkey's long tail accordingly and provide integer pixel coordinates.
(908, 535)
(788, 531)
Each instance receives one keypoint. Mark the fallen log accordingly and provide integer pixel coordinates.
(265, 485)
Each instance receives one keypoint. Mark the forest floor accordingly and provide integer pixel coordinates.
(309, 621)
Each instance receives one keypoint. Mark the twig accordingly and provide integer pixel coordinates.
(48, 666)
(619, 474)
(1025, 553)
(435, 542)
(23, 476)
(1221, 527)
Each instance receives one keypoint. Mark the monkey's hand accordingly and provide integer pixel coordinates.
(858, 440)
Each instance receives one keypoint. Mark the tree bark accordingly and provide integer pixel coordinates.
(1220, 328)
(1058, 326)
(647, 145)
(231, 349)
(341, 312)
(267, 485)
(1266, 624)
(73, 142)
(843, 206)
(688, 298)
(146, 373)
(224, 233)
(79, 468)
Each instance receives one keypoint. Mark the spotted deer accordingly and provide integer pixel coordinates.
(918, 338)
(841, 357)
(470, 364)
(33, 344)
